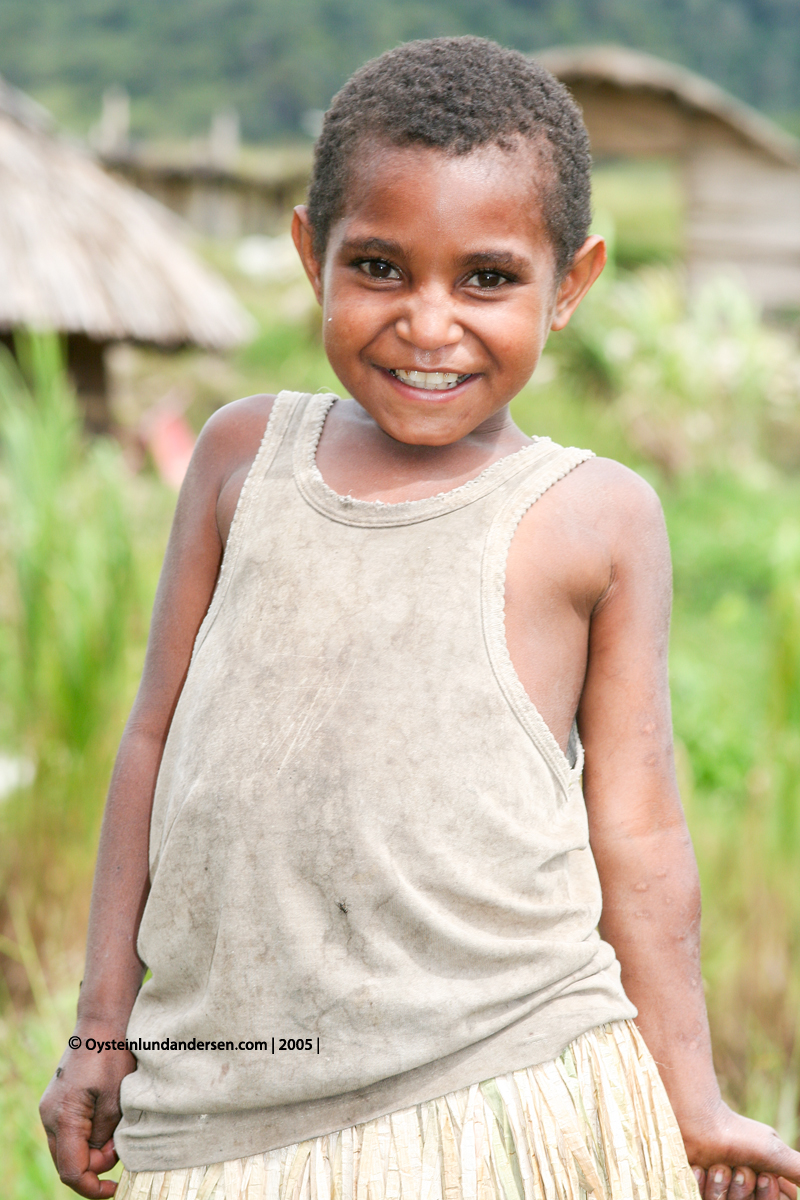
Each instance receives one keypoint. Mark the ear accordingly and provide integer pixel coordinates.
(586, 266)
(303, 238)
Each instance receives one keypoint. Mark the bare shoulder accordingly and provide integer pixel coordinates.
(614, 488)
(616, 503)
(594, 531)
(627, 520)
(225, 450)
(233, 433)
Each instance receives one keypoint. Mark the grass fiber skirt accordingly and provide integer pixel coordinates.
(595, 1122)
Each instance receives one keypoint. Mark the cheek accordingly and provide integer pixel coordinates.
(517, 337)
(351, 320)
(344, 335)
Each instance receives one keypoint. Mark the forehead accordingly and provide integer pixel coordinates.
(491, 194)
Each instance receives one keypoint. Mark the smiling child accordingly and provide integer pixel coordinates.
(404, 940)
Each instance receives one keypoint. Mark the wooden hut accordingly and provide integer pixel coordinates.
(252, 193)
(219, 187)
(741, 172)
(91, 257)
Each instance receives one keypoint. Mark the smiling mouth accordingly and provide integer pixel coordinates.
(430, 381)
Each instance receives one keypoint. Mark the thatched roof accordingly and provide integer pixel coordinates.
(634, 71)
(81, 252)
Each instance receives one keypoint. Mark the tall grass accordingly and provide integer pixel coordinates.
(70, 553)
(736, 689)
(80, 547)
(69, 590)
(31, 1043)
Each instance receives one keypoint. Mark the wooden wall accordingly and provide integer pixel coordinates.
(743, 214)
(742, 206)
(219, 204)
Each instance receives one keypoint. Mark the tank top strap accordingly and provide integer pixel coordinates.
(518, 498)
(291, 416)
(286, 412)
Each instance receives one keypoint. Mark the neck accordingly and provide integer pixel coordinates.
(357, 457)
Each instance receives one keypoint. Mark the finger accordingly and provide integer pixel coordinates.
(700, 1176)
(767, 1187)
(88, 1185)
(787, 1188)
(51, 1145)
(743, 1184)
(103, 1159)
(718, 1178)
(100, 1161)
(73, 1156)
(779, 1161)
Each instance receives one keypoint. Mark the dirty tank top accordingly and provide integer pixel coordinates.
(371, 882)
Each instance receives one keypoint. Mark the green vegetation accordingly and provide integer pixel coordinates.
(71, 602)
(77, 567)
(639, 201)
(274, 62)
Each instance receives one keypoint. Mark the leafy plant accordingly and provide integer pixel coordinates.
(697, 382)
(69, 588)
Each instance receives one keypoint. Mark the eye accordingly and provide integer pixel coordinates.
(486, 279)
(378, 268)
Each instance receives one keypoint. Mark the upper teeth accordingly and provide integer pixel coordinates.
(433, 381)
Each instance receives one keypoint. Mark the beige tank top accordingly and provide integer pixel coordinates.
(368, 853)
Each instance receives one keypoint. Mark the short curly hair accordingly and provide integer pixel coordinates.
(455, 94)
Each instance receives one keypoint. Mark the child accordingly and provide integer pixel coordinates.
(371, 910)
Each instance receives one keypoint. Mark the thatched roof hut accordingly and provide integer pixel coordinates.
(87, 255)
(741, 172)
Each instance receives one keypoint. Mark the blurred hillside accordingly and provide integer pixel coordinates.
(275, 62)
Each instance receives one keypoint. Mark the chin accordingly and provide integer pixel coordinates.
(415, 432)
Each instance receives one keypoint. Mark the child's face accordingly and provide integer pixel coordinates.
(438, 287)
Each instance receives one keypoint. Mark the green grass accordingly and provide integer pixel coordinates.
(639, 201)
(76, 581)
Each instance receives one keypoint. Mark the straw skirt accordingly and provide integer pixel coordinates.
(595, 1122)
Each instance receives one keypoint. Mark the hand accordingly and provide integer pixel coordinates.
(734, 1158)
(80, 1111)
(721, 1183)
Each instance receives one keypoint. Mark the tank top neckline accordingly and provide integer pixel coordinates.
(352, 511)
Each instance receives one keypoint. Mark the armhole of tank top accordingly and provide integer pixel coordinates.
(493, 585)
(283, 408)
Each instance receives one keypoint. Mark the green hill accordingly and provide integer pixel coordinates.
(273, 60)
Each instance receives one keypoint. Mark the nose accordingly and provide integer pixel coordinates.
(429, 321)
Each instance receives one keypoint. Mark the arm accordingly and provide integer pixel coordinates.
(651, 896)
(80, 1108)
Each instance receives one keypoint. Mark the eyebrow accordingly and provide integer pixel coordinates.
(374, 245)
(502, 259)
(495, 258)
